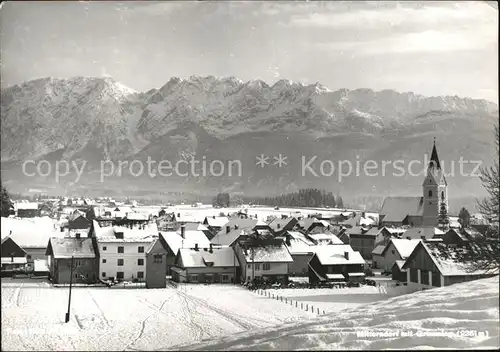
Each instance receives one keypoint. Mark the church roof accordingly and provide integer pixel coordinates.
(396, 209)
(434, 163)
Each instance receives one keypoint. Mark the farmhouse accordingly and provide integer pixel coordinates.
(269, 262)
(437, 265)
(301, 249)
(77, 252)
(364, 240)
(212, 265)
(336, 263)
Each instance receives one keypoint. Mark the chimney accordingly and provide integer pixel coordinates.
(178, 215)
(211, 248)
(278, 225)
(77, 235)
(228, 229)
(196, 246)
(236, 227)
(183, 231)
(346, 255)
(62, 229)
(214, 217)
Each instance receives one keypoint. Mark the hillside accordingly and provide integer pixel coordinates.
(212, 118)
(439, 319)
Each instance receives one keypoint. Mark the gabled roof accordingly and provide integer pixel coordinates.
(279, 224)
(237, 228)
(396, 209)
(26, 206)
(176, 242)
(70, 247)
(216, 221)
(335, 255)
(404, 246)
(359, 230)
(400, 264)
(445, 258)
(418, 232)
(325, 236)
(268, 254)
(202, 258)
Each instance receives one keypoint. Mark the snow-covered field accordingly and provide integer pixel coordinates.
(333, 300)
(132, 319)
(461, 316)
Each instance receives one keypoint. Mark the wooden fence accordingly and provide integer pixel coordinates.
(300, 305)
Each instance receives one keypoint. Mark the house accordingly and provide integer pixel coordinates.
(166, 221)
(78, 220)
(382, 235)
(269, 262)
(338, 263)
(77, 252)
(353, 221)
(215, 223)
(212, 265)
(27, 210)
(437, 265)
(233, 230)
(310, 225)
(281, 226)
(156, 270)
(364, 240)
(396, 249)
(182, 238)
(301, 248)
(422, 233)
(13, 256)
(122, 251)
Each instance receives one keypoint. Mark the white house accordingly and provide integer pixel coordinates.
(122, 251)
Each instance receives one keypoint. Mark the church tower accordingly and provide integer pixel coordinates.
(435, 190)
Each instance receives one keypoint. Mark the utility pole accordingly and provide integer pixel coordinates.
(70, 285)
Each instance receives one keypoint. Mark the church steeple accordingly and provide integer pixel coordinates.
(434, 163)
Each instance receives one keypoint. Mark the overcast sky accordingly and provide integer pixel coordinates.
(431, 48)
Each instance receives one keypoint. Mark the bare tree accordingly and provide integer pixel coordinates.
(489, 176)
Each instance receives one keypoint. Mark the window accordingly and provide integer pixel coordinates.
(119, 275)
(140, 261)
(103, 274)
(120, 262)
(393, 251)
(266, 266)
(141, 249)
(442, 194)
(225, 278)
(257, 266)
(104, 260)
(430, 193)
(249, 266)
(193, 278)
(104, 248)
(249, 278)
(120, 249)
(157, 258)
(140, 274)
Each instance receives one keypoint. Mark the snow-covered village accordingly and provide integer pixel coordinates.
(273, 216)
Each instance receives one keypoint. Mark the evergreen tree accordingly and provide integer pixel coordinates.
(340, 202)
(464, 218)
(6, 207)
(443, 218)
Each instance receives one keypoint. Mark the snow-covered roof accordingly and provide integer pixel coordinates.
(418, 232)
(26, 206)
(202, 258)
(404, 246)
(400, 264)
(137, 216)
(335, 276)
(326, 237)
(175, 241)
(237, 228)
(335, 255)
(217, 221)
(395, 209)
(269, 254)
(30, 232)
(446, 259)
(71, 247)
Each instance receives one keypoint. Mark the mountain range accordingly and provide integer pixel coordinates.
(91, 120)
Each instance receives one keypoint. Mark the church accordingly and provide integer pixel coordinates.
(420, 211)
